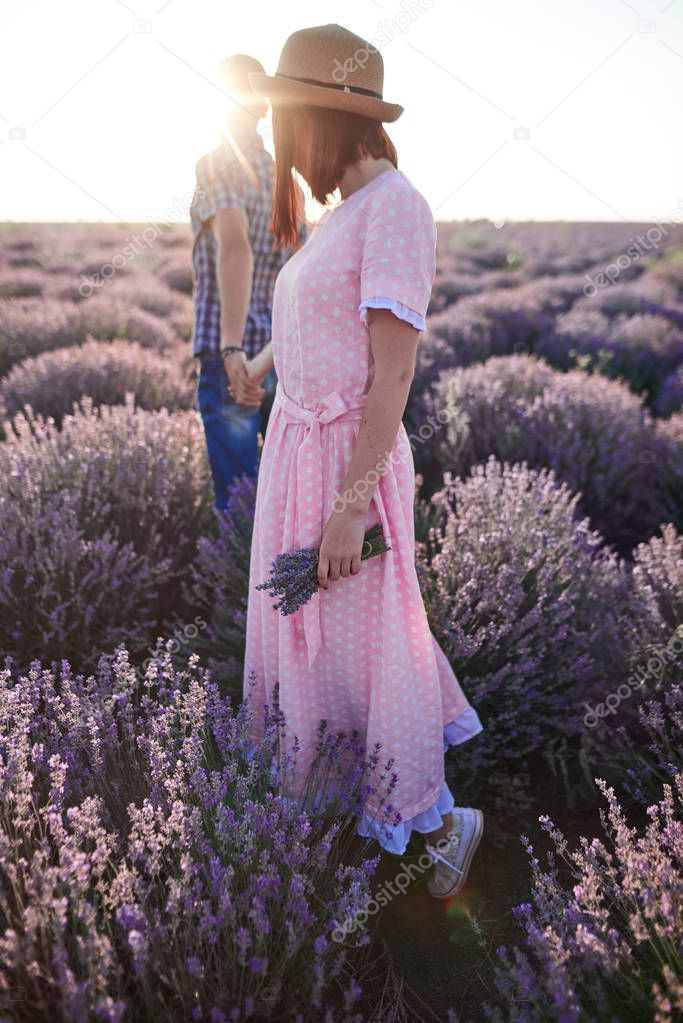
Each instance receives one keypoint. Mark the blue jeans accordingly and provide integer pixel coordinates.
(231, 430)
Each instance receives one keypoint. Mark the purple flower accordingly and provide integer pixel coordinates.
(593, 433)
(96, 532)
(293, 576)
(106, 372)
(516, 588)
(617, 902)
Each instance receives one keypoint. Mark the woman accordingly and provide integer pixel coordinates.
(348, 310)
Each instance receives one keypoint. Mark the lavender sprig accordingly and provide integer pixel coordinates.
(294, 575)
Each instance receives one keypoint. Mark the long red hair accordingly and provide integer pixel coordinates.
(320, 144)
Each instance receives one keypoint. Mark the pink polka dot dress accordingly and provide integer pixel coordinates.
(360, 654)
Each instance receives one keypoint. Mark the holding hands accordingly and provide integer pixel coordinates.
(245, 377)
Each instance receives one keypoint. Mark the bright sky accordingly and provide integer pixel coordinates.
(533, 109)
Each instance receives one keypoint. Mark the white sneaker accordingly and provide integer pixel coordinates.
(453, 858)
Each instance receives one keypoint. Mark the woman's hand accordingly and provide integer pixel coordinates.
(341, 546)
(242, 386)
(256, 369)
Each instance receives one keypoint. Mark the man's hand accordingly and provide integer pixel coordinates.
(341, 546)
(243, 387)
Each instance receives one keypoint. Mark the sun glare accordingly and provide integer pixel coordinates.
(107, 108)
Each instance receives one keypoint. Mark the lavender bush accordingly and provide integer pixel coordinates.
(103, 371)
(641, 738)
(499, 322)
(145, 291)
(107, 319)
(452, 285)
(657, 580)
(530, 608)
(669, 270)
(581, 329)
(642, 350)
(592, 432)
(642, 742)
(98, 524)
(21, 283)
(22, 253)
(179, 277)
(548, 249)
(670, 395)
(150, 868)
(650, 294)
(218, 584)
(31, 326)
(670, 436)
(603, 940)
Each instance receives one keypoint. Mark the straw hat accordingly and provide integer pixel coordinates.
(328, 66)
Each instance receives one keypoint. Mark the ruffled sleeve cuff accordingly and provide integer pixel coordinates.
(403, 312)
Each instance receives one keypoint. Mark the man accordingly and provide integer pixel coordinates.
(235, 268)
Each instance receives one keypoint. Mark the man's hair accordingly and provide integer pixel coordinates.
(337, 138)
(235, 72)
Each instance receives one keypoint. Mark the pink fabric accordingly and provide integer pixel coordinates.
(402, 311)
(360, 655)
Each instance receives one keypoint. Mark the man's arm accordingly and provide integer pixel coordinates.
(263, 362)
(234, 270)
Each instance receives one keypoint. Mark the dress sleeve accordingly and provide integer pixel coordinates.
(216, 188)
(399, 256)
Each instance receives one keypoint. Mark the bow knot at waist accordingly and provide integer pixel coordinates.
(328, 410)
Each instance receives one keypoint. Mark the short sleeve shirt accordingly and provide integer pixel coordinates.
(235, 177)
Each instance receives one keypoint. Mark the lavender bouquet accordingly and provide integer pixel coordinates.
(294, 576)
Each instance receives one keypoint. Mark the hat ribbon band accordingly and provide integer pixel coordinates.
(331, 85)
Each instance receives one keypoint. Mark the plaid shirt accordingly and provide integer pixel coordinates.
(228, 179)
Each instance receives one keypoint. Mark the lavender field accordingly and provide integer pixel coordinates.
(149, 867)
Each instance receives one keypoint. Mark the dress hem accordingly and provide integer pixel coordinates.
(395, 838)
(428, 816)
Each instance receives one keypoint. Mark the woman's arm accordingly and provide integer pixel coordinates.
(393, 344)
(260, 366)
(248, 391)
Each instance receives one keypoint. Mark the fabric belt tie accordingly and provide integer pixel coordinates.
(309, 495)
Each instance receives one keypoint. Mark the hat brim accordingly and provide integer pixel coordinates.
(285, 90)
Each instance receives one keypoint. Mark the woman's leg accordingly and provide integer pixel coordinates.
(453, 847)
(443, 832)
